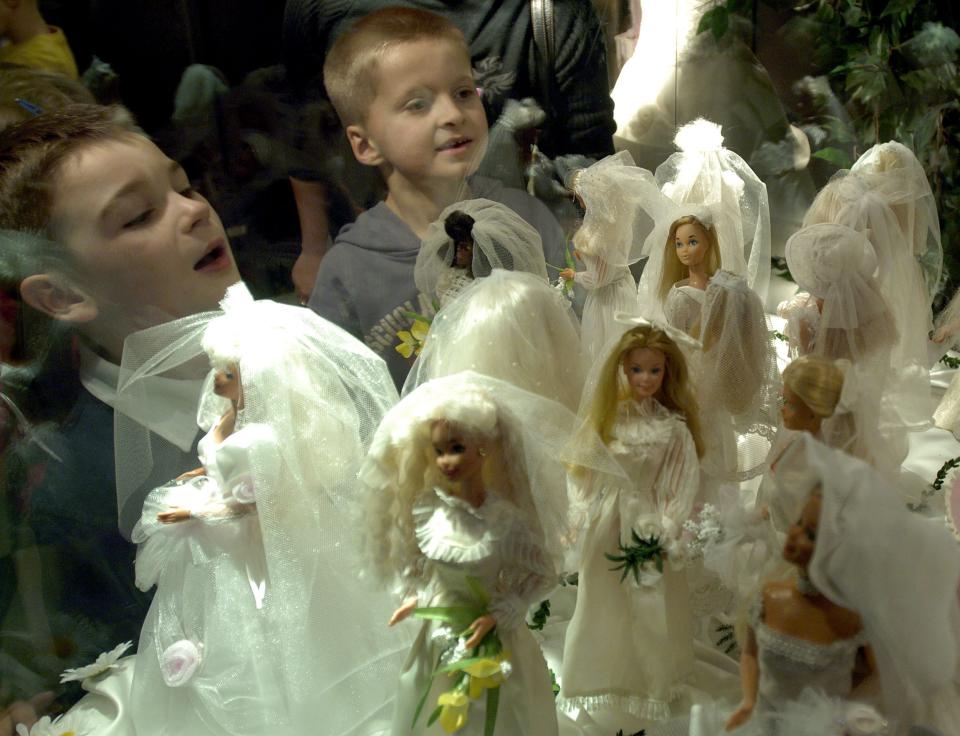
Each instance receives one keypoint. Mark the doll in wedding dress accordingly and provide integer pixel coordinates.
(629, 645)
(621, 202)
(468, 241)
(855, 587)
(257, 625)
(711, 182)
(465, 508)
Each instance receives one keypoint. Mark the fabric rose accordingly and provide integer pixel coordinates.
(179, 662)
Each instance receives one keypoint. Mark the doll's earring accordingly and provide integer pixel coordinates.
(482, 451)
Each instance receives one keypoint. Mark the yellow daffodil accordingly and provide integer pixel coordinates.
(485, 674)
(411, 342)
(453, 710)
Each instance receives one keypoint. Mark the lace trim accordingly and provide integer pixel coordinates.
(449, 529)
(645, 424)
(799, 651)
(648, 709)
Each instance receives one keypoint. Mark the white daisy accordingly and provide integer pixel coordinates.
(105, 662)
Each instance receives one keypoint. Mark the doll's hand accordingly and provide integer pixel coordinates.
(192, 473)
(942, 333)
(172, 516)
(740, 716)
(566, 274)
(480, 628)
(403, 612)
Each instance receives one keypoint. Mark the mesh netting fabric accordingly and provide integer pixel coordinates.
(501, 239)
(321, 393)
(704, 172)
(836, 264)
(892, 171)
(512, 326)
(528, 441)
(738, 382)
(621, 203)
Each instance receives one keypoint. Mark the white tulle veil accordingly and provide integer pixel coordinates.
(501, 239)
(512, 326)
(622, 203)
(737, 380)
(322, 393)
(703, 172)
(837, 264)
(899, 571)
(528, 440)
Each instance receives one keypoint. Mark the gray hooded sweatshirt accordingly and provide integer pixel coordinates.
(365, 282)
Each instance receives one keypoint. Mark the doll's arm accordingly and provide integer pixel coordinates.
(525, 580)
(749, 682)
(192, 473)
(678, 480)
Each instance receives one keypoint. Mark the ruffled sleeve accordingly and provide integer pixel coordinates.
(526, 577)
(678, 479)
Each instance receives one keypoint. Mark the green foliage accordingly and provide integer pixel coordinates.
(888, 71)
(634, 556)
(540, 616)
(936, 486)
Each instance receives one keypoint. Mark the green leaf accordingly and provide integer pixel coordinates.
(716, 21)
(434, 716)
(895, 7)
(493, 704)
(835, 156)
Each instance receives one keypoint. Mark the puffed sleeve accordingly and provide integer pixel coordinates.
(246, 456)
(678, 479)
(525, 579)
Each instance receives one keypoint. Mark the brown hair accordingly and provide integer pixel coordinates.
(674, 271)
(32, 152)
(46, 90)
(350, 69)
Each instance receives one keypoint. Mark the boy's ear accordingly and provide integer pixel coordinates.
(364, 149)
(58, 298)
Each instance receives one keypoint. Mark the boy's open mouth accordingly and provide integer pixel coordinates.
(455, 144)
(214, 259)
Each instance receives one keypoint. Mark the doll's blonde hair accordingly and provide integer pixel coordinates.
(673, 270)
(390, 547)
(674, 393)
(817, 382)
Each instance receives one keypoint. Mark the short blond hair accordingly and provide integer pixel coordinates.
(350, 69)
(817, 382)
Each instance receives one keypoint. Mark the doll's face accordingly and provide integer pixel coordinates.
(456, 453)
(802, 534)
(226, 383)
(692, 244)
(644, 369)
(796, 415)
(464, 255)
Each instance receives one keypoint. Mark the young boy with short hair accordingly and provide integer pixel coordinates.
(401, 82)
(104, 234)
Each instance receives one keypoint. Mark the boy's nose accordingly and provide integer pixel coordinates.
(450, 112)
(195, 212)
